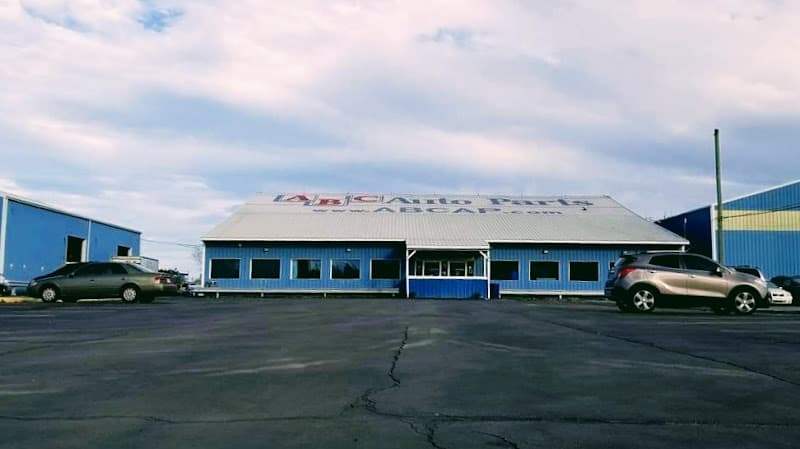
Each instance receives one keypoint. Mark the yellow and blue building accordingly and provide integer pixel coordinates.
(761, 229)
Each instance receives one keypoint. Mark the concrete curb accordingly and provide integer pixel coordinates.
(16, 299)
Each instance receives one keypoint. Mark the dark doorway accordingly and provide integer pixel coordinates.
(123, 251)
(75, 249)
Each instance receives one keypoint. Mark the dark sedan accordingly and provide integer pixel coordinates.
(791, 284)
(89, 280)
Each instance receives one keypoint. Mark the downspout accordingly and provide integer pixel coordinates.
(88, 255)
(488, 266)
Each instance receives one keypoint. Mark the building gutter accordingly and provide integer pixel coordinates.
(590, 242)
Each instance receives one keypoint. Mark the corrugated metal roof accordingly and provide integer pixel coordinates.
(439, 221)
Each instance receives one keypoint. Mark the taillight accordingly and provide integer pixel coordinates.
(157, 279)
(626, 271)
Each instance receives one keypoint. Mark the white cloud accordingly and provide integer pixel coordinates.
(167, 209)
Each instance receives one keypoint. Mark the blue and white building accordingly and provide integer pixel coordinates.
(761, 229)
(36, 239)
(424, 246)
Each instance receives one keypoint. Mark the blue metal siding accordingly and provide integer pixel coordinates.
(769, 240)
(563, 255)
(775, 252)
(780, 198)
(448, 288)
(36, 242)
(423, 288)
(694, 226)
(105, 240)
(287, 253)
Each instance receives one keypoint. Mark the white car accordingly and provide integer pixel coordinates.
(778, 295)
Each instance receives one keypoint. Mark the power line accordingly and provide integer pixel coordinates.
(162, 242)
(764, 212)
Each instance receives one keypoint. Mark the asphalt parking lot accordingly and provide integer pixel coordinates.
(344, 373)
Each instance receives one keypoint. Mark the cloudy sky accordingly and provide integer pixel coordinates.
(166, 115)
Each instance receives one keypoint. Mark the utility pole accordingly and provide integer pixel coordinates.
(720, 234)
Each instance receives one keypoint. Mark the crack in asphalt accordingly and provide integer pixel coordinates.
(556, 419)
(506, 442)
(429, 424)
(366, 401)
(673, 351)
(396, 358)
(430, 435)
(426, 425)
(428, 431)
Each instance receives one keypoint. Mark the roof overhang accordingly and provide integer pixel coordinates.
(447, 248)
(299, 240)
(590, 242)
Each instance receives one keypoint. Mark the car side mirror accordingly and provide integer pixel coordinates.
(718, 271)
(71, 275)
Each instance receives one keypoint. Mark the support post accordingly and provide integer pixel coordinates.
(487, 268)
(720, 216)
(203, 267)
(409, 255)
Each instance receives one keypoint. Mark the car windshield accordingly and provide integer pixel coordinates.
(771, 284)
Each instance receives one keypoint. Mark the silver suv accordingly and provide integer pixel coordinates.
(639, 282)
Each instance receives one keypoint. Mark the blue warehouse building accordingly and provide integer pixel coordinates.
(36, 239)
(761, 229)
(424, 246)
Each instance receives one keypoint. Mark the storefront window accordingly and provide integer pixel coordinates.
(432, 268)
(444, 268)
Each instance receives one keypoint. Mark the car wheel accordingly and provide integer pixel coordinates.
(743, 302)
(643, 299)
(49, 294)
(129, 293)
